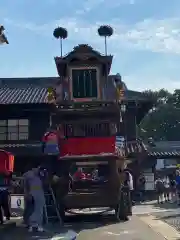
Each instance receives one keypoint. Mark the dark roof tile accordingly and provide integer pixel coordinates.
(164, 154)
(34, 90)
(30, 94)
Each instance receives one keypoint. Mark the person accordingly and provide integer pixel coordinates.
(36, 194)
(166, 182)
(141, 187)
(5, 180)
(172, 188)
(159, 185)
(130, 182)
(28, 200)
(178, 186)
(79, 175)
(127, 195)
(95, 174)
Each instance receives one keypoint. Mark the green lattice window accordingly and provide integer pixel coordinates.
(84, 83)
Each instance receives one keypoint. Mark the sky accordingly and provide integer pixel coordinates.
(145, 43)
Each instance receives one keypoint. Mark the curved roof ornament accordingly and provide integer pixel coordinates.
(3, 38)
(118, 82)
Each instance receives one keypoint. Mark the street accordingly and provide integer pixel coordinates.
(148, 222)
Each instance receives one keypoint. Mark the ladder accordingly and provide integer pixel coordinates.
(51, 208)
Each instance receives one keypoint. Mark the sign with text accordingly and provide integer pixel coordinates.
(17, 201)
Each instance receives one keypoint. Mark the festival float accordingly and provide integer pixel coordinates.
(87, 114)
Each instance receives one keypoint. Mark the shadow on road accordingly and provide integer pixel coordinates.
(75, 223)
(167, 205)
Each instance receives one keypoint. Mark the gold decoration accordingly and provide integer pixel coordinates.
(51, 95)
(120, 93)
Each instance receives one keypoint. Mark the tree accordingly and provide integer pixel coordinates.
(105, 31)
(163, 121)
(60, 33)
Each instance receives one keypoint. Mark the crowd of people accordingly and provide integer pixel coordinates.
(168, 188)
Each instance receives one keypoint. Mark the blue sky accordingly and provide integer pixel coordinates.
(145, 44)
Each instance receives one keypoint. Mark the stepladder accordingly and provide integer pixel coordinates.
(51, 211)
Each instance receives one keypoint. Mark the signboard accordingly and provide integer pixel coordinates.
(120, 141)
(17, 201)
(149, 185)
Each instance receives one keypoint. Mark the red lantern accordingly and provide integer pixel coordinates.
(6, 162)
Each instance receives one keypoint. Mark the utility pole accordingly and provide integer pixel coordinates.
(3, 38)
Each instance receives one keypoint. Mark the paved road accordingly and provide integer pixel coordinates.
(171, 216)
(91, 227)
(103, 227)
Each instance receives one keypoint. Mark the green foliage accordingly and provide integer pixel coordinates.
(163, 120)
(60, 32)
(105, 31)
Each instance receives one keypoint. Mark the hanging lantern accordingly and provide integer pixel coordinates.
(6, 162)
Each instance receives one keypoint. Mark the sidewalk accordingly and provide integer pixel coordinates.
(135, 229)
(153, 207)
(163, 219)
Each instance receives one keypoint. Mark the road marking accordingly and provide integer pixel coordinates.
(70, 235)
(119, 234)
(160, 227)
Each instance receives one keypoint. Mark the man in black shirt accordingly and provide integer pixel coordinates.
(5, 180)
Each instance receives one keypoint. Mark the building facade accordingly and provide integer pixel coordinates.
(26, 110)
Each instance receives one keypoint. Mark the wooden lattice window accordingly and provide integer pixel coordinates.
(14, 129)
(84, 83)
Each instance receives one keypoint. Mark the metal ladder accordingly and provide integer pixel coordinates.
(51, 208)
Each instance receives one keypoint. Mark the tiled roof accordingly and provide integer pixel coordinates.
(164, 149)
(24, 90)
(23, 149)
(34, 90)
(130, 148)
(26, 145)
(164, 154)
(31, 94)
(130, 95)
(135, 147)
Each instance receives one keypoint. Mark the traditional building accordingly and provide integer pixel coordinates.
(27, 108)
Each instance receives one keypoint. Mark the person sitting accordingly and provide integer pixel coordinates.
(79, 175)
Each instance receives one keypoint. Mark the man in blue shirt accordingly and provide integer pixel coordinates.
(178, 185)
